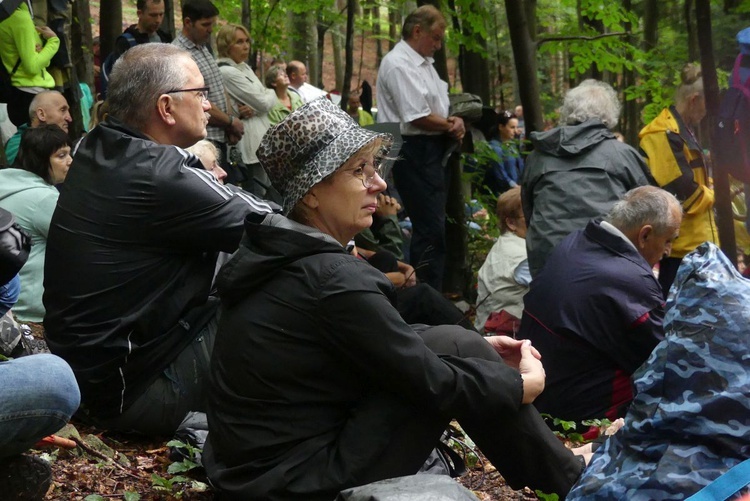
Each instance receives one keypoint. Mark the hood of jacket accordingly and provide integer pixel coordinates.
(571, 140)
(269, 244)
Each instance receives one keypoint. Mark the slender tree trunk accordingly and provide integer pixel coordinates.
(339, 51)
(630, 122)
(351, 7)
(168, 24)
(376, 30)
(650, 24)
(110, 25)
(394, 27)
(723, 203)
(81, 41)
(524, 55)
(475, 72)
(693, 50)
(304, 45)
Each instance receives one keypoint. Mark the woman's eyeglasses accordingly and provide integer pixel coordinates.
(366, 173)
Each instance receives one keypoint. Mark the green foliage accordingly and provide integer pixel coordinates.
(546, 497)
(186, 464)
(131, 496)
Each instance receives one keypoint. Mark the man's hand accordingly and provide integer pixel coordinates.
(410, 277)
(387, 206)
(245, 111)
(235, 129)
(510, 349)
(532, 373)
(457, 128)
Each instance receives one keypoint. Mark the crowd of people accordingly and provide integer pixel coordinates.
(225, 244)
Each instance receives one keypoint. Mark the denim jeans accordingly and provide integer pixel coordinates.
(9, 294)
(38, 395)
(421, 180)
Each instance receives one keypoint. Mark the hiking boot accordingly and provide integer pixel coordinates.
(24, 478)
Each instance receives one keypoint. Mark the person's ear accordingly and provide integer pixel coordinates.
(41, 116)
(165, 109)
(510, 223)
(644, 234)
(310, 200)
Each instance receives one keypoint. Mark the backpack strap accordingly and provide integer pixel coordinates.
(726, 485)
(15, 68)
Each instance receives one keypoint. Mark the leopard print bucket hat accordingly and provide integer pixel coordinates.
(309, 145)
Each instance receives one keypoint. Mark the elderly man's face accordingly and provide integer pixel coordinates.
(189, 108)
(54, 110)
(151, 17)
(654, 246)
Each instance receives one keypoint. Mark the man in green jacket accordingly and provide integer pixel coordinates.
(47, 107)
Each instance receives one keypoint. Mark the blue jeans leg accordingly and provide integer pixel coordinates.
(421, 181)
(9, 294)
(38, 395)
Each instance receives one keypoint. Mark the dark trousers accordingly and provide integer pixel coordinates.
(18, 107)
(421, 304)
(421, 180)
(519, 444)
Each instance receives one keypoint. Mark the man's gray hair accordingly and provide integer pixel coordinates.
(645, 205)
(591, 99)
(140, 76)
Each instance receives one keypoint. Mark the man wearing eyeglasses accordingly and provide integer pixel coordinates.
(133, 245)
(198, 20)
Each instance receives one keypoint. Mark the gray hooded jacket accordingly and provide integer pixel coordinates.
(575, 174)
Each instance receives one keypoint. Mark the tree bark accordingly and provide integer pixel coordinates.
(303, 46)
(650, 24)
(110, 25)
(693, 50)
(723, 202)
(630, 121)
(351, 7)
(167, 25)
(474, 67)
(524, 55)
(80, 38)
(394, 27)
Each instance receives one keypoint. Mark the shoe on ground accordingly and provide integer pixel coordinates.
(24, 478)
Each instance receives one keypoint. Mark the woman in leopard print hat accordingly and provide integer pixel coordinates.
(317, 383)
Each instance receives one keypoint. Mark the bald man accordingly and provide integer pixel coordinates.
(47, 107)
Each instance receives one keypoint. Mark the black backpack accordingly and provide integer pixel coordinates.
(109, 62)
(732, 132)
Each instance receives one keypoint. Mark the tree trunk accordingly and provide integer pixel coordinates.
(723, 202)
(693, 50)
(474, 67)
(376, 30)
(351, 7)
(167, 25)
(394, 26)
(110, 25)
(650, 24)
(524, 55)
(81, 36)
(303, 46)
(630, 122)
(338, 40)
(246, 18)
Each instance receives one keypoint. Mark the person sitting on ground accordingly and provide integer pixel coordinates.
(595, 311)
(385, 232)
(244, 88)
(317, 383)
(362, 117)
(209, 157)
(504, 277)
(132, 249)
(26, 51)
(47, 107)
(286, 101)
(505, 173)
(38, 396)
(28, 191)
(577, 171)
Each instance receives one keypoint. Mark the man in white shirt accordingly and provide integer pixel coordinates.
(410, 92)
(297, 73)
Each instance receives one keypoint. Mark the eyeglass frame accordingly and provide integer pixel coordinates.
(202, 90)
(369, 181)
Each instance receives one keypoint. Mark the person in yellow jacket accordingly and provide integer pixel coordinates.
(678, 165)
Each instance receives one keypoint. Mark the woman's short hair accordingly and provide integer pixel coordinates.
(508, 206)
(38, 144)
(591, 99)
(225, 38)
(691, 82)
(201, 147)
(272, 74)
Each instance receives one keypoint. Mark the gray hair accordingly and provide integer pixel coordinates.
(201, 147)
(645, 205)
(140, 76)
(425, 16)
(691, 82)
(591, 99)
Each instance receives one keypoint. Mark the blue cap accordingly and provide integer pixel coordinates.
(743, 38)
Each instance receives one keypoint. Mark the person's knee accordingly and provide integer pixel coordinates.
(455, 340)
(60, 389)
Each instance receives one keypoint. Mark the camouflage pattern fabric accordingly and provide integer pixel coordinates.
(690, 420)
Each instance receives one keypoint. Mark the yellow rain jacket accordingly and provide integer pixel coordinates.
(678, 165)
